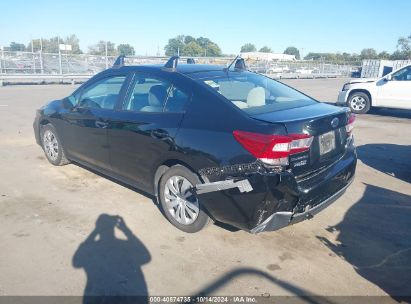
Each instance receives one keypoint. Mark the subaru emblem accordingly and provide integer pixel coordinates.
(335, 122)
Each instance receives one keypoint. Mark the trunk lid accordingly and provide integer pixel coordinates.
(326, 123)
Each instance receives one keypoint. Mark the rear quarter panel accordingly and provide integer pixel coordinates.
(206, 136)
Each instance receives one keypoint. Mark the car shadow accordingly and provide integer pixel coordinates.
(391, 112)
(397, 113)
(391, 159)
(375, 238)
(112, 265)
(152, 197)
(224, 226)
(234, 275)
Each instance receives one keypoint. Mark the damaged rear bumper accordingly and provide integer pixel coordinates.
(257, 201)
(283, 219)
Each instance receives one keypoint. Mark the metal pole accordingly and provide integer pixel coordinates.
(86, 61)
(106, 55)
(34, 58)
(68, 63)
(1, 60)
(58, 42)
(41, 56)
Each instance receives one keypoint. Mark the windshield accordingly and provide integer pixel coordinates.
(254, 93)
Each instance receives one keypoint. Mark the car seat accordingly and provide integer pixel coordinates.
(156, 98)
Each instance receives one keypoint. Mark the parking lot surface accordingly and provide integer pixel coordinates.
(51, 217)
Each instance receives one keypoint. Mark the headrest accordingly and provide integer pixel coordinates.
(256, 97)
(157, 95)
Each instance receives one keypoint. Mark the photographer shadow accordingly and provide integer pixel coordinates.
(112, 265)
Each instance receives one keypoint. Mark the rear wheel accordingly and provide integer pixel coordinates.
(180, 206)
(359, 103)
(52, 146)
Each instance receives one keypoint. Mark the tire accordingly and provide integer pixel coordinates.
(359, 103)
(52, 146)
(174, 196)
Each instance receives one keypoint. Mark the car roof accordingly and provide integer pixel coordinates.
(181, 68)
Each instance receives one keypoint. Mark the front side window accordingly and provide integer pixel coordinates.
(102, 94)
(254, 93)
(402, 75)
(154, 95)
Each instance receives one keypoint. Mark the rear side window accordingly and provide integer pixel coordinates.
(148, 95)
(254, 93)
(403, 75)
(177, 100)
(102, 94)
(155, 95)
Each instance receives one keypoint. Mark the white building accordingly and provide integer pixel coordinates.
(267, 56)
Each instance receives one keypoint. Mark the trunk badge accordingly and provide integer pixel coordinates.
(335, 122)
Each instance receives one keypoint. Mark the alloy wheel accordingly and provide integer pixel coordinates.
(51, 146)
(358, 103)
(181, 202)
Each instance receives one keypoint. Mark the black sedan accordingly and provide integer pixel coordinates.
(211, 143)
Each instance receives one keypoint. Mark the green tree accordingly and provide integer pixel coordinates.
(213, 50)
(335, 57)
(347, 56)
(265, 49)
(399, 55)
(248, 47)
(192, 49)
(203, 42)
(403, 51)
(369, 54)
(46, 45)
(174, 46)
(100, 48)
(313, 56)
(292, 50)
(74, 42)
(17, 47)
(125, 50)
(191, 46)
(51, 45)
(404, 44)
(188, 39)
(383, 55)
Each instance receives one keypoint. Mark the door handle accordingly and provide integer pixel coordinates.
(101, 124)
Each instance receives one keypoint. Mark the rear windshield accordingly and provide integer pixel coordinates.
(254, 93)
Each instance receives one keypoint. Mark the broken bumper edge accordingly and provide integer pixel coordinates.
(280, 220)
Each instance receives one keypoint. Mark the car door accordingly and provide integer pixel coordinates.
(142, 130)
(396, 92)
(85, 129)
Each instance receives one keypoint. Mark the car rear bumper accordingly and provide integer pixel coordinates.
(283, 219)
(277, 200)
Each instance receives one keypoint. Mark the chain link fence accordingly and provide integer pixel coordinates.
(39, 63)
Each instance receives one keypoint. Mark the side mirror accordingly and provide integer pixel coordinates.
(67, 104)
(388, 77)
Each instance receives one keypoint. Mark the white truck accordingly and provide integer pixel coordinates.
(391, 91)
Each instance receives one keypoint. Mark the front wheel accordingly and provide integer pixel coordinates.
(359, 103)
(52, 146)
(180, 206)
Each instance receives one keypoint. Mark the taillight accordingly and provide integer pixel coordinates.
(273, 149)
(350, 124)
